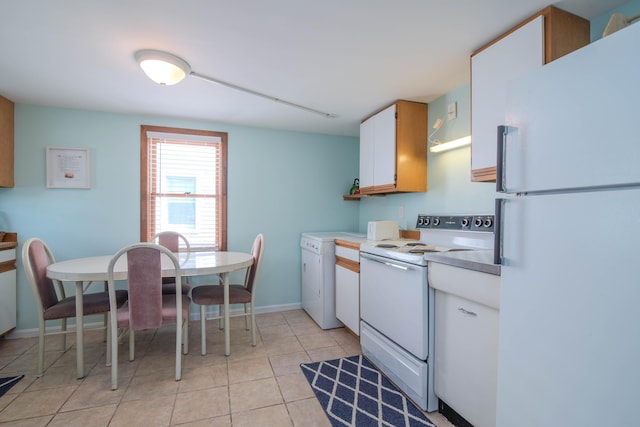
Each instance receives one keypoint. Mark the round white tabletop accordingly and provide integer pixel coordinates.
(94, 269)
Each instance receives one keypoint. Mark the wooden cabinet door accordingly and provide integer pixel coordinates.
(492, 70)
(6, 142)
(411, 146)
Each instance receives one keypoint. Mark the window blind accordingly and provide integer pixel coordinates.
(184, 187)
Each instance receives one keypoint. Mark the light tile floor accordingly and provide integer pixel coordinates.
(254, 386)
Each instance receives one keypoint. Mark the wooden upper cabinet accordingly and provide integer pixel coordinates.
(393, 149)
(545, 37)
(6, 142)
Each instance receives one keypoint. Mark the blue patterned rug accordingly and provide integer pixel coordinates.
(7, 383)
(354, 393)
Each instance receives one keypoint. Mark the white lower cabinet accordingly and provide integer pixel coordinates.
(348, 287)
(466, 341)
(7, 290)
(348, 298)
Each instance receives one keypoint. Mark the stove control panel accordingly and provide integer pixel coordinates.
(460, 223)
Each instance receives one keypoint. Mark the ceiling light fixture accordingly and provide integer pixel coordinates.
(167, 69)
(162, 67)
(450, 145)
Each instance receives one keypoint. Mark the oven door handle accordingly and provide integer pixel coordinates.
(387, 263)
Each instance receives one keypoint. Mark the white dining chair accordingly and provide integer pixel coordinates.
(51, 300)
(208, 295)
(147, 306)
(173, 241)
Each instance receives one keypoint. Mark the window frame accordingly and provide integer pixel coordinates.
(145, 221)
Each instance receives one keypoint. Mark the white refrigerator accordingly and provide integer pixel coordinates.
(569, 343)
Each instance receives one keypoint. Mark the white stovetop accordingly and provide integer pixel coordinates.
(398, 242)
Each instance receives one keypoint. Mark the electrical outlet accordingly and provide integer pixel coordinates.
(452, 111)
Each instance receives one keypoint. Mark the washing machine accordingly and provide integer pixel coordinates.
(318, 254)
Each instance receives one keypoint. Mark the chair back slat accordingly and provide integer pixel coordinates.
(170, 241)
(39, 261)
(256, 251)
(145, 288)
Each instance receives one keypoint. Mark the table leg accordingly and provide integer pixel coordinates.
(79, 329)
(227, 325)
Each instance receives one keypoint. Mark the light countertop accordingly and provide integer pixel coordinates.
(478, 260)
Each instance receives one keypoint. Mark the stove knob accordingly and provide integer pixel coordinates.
(465, 222)
(488, 222)
(427, 220)
(478, 221)
(436, 221)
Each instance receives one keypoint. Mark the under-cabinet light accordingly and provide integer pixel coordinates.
(450, 145)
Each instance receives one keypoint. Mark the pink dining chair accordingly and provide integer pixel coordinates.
(207, 295)
(51, 300)
(172, 240)
(147, 306)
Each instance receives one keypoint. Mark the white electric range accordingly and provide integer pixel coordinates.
(397, 304)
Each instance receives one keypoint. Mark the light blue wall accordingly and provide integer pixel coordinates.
(449, 187)
(279, 183)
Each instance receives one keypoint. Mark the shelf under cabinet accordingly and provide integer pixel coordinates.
(357, 197)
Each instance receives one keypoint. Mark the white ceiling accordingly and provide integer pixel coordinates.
(344, 57)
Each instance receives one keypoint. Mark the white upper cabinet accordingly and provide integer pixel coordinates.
(384, 162)
(367, 142)
(393, 149)
(546, 36)
(493, 69)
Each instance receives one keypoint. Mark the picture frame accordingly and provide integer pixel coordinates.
(68, 167)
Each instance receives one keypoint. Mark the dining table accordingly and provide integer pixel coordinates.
(193, 263)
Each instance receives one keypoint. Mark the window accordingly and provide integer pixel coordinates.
(183, 185)
(181, 212)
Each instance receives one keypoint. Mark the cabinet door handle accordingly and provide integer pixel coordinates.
(470, 313)
(497, 231)
(388, 264)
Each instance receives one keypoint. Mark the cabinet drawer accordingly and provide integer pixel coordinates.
(8, 255)
(483, 288)
(348, 253)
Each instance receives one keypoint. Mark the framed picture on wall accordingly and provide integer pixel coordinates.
(68, 167)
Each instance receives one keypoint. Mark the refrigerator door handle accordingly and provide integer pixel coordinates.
(497, 232)
(501, 179)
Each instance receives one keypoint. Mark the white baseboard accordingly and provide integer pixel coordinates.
(194, 315)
